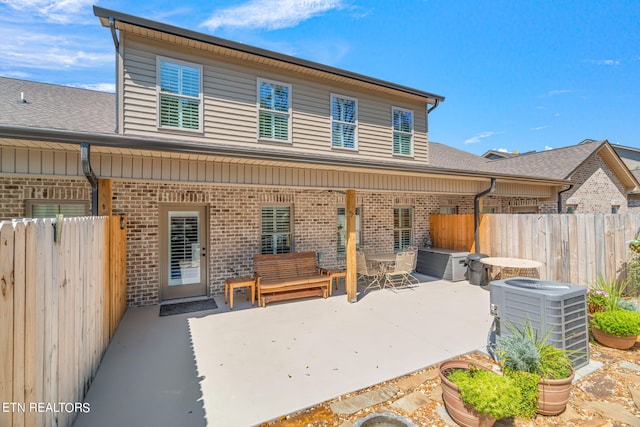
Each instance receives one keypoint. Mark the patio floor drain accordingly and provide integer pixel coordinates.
(384, 420)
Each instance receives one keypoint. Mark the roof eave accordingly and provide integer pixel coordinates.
(105, 14)
(174, 146)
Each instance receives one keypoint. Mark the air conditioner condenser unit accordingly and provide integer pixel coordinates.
(553, 308)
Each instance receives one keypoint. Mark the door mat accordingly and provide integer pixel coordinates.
(187, 307)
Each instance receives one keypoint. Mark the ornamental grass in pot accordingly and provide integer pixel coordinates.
(523, 351)
(616, 328)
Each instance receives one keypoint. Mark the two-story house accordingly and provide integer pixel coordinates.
(219, 151)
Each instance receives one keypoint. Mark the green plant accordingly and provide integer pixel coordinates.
(597, 300)
(620, 323)
(488, 393)
(629, 305)
(634, 244)
(524, 350)
(613, 288)
(528, 385)
(554, 363)
(518, 352)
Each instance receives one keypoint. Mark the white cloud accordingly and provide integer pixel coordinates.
(557, 114)
(555, 92)
(270, 14)
(539, 128)
(101, 87)
(605, 62)
(548, 147)
(475, 139)
(49, 51)
(502, 150)
(61, 11)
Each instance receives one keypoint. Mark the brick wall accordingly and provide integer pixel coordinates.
(234, 221)
(596, 189)
(15, 190)
(234, 226)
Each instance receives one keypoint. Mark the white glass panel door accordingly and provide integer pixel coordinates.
(184, 252)
(184, 248)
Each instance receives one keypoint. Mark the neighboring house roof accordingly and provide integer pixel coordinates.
(445, 156)
(125, 21)
(48, 106)
(631, 157)
(495, 154)
(559, 163)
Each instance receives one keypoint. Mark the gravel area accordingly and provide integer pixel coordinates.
(609, 396)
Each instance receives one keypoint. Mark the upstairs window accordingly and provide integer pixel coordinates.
(179, 95)
(344, 116)
(402, 228)
(274, 110)
(402, 131)
(276, 230)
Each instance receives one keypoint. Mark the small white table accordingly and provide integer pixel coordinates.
(512, 267)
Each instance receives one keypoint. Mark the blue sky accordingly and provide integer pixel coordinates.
(517, 75)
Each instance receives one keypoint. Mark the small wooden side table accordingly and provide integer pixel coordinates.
(334, 275)
(232, 283)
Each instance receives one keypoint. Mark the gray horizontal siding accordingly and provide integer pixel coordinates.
(45, 162)
(230, 112)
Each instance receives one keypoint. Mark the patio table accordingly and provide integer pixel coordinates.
(512, 267)
(384, 260)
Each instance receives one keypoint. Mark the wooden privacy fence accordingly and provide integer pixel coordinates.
(62, 295)
(573, 248)
(449, 231)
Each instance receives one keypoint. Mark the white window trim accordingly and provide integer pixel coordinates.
(291, 223)
(200, 98)
(411, 228)
(356, 123)
(413, 129)
(258, 109)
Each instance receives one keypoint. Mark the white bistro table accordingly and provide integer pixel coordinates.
(512, 267)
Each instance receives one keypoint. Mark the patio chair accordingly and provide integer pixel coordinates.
(401, 273)
(371, 275)
(414, 250)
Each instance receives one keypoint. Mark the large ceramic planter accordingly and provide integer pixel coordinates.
(462, 414)
(554, 395)
(608, 340)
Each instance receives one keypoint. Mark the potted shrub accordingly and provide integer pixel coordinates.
(478, 397)
(616, 328)
(523, 351)
(596, 301)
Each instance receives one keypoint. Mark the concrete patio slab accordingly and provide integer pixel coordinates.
(249, 365)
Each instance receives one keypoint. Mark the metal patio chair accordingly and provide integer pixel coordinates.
(401, 276)
(371, 275)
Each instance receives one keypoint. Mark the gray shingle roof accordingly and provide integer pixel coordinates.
(51, 106)
(444, 156)
(558, 163)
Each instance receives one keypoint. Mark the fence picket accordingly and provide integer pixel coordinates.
(574, 248)
(33, 307)
(6, 314)
(53, 333)
(19, 308)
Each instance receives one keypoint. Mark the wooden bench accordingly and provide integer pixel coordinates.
(288, 276)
